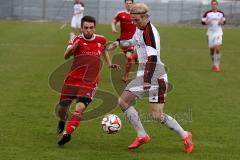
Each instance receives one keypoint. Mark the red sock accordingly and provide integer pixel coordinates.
(134, 56)
(128, 68)
(73, 122)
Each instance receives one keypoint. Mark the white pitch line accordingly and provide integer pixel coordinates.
(63, 26)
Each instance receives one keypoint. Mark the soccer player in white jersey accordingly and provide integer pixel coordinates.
(151, 79)
(76, 19)
(214, 19)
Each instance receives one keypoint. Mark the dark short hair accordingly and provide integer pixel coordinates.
(88, 19)
(129, 0)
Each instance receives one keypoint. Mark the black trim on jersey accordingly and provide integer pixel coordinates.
(148, 36)
(221, 12)
(82, 4)
(204, 16)
(150, 68)
(223, 16)
(204, 23)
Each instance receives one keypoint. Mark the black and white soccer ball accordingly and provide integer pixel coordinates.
(111, 123)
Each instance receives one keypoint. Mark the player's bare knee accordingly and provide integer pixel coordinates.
(157, 115)
(122, 103)
(80, 107)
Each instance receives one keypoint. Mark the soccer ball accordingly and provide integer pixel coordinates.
(111, 123)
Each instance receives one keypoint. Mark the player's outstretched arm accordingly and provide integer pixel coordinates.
(126, 43)
(122, 43)
(70, 50)
(112, 46)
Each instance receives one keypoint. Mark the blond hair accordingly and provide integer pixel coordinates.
(214, 1)
(139, 8)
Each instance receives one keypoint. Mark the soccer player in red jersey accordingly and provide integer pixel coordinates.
(81, 82)
(127, 31)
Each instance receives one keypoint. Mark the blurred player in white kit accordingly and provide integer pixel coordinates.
(214, 19)
(76, 19)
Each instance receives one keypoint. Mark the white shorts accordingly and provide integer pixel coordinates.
(214, 40)
(157, 92)
(76, 22)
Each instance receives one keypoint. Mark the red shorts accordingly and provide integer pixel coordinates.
(70, 91)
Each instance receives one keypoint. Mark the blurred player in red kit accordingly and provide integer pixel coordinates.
(127, 31)
(81, 82)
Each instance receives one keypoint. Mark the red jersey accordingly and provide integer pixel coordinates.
(127, 27)
(86, 64)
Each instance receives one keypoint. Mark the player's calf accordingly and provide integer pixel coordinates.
(61, 126)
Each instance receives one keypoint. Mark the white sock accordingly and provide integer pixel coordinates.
(133, 117)
(218, 58)
(72, 35)
(173, 124)
(215, 59)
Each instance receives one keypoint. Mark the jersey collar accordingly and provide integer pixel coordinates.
(91, 39)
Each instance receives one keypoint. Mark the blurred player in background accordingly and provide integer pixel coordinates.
(151, 79)
(76, 19)
(81, 82)
(214, 19)
(127, 30)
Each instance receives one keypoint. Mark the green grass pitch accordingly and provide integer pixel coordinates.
(204, 102)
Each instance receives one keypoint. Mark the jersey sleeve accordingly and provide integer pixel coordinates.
(82, 4)
(117, 17)
(223, 17)
(134, 39)
(82, 8)
(129, 42)
(204, 18)
(150, 40)
(104, 43)
(72, 41)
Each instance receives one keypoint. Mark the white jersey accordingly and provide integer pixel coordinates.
(78, 9)
(150, 70)
(214, 18)
(77, 15)
(147, 43)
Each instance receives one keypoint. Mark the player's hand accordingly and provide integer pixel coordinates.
(146, 86)
(114, 31)
(221, 23)
(113, 46)
(115, 66)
